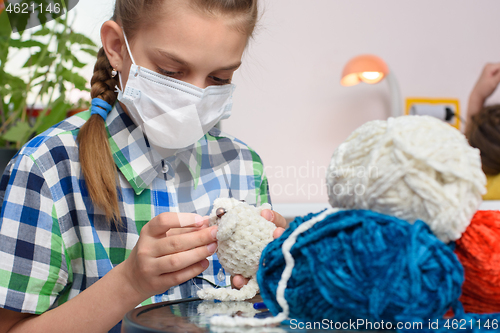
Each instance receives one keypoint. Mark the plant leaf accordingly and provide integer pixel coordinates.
(57, 114)
(37, 75)
(16, 102)
(45, 87)
(5, 27)
(77, 38)
(14, 81)
(92, 52)
(17, 132)
(35, 58)
(42, 32)
(61, 45)
(74, 78)
(77, 63)
(25, 43)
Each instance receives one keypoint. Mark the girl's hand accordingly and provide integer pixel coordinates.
(485, 86)
(178, 231)
(238, 281)
(162, 259)
(488, 81)
(277, 219)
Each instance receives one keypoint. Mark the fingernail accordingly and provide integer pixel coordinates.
(211, 247)
(204, 264)
(238, 283)
(268, 214)
(213, 232)
(198, 220)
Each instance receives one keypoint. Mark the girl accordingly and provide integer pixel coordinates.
(483, 127)
(90, 223)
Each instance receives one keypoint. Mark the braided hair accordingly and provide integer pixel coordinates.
(95, 153)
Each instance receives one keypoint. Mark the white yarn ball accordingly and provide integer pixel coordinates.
(411, 167)
(242, 235)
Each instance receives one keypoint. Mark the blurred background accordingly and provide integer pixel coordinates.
(289, 104)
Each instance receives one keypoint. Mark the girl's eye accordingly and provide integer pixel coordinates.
(220, 81)
(167, 73)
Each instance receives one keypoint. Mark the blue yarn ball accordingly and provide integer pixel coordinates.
(359, 264)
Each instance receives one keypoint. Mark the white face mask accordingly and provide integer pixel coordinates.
(171, 113)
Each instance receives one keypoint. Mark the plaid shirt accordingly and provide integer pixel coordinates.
(54, 243)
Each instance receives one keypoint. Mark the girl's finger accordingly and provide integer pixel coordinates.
(278, 232)
(178, 231)
(162, 223)
(238, 281)
(274, 217)
(184, 242)
(181, 276)
(179, 261)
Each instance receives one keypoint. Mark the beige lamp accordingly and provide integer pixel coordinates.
(371, 69)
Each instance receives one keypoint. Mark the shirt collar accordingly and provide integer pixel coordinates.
(141, 164)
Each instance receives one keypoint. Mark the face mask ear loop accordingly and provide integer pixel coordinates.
(121, 84)
(128, 47)
(133, 61)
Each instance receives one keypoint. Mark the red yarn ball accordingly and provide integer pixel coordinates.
(479, 252)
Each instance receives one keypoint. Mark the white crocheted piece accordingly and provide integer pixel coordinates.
(411, 167)
(242, 235)
(209, 309)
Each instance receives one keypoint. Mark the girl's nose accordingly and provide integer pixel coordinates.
(198, 81)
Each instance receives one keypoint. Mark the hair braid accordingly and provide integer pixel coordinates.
(97, 162)
(102, 84)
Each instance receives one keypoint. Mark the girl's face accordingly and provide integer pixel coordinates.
(188, 46)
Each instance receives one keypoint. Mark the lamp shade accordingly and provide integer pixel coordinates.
(367, 68)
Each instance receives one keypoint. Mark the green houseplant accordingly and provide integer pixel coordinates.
(46, 77)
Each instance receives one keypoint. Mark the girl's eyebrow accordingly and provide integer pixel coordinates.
(173, 57)
(231, 67)
(177, 59)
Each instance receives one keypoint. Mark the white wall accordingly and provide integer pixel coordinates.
(289, 104)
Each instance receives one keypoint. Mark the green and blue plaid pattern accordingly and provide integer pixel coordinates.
(54, 243)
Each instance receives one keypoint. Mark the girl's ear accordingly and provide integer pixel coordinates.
(113, 44)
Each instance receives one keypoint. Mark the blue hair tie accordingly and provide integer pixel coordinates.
(100, 107)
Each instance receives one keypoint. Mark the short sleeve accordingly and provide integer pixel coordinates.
(263, 195)
(33, 270)
(261, 182)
